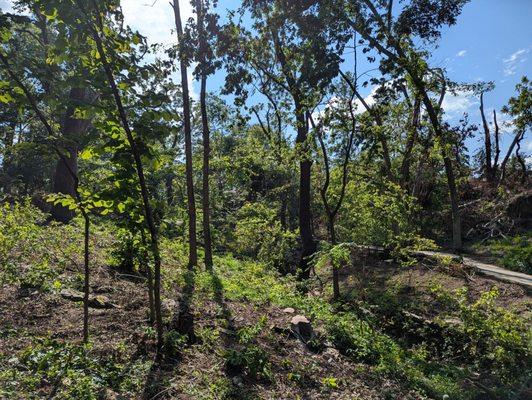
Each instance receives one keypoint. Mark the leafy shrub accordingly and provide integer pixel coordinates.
(66, 367)
(126, 253)
(419, 367)
(259, 234)
(249, 356)
(252, 359)
(358, 339)
(330, 383)
(335, 256)
(515, 252)
(371, 213)
(32, 254)
(69, 371)
(494, 340)
(174, 342)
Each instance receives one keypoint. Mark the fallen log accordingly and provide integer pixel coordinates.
(97, 301)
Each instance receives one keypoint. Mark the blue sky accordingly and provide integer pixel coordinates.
(492, 41)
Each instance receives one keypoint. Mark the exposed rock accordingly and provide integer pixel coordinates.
(112, 395)
(237, 381)
(103, 289)
(302, 328)
(168, 306)
(453, 321)
(289, 310)
(97, 301)
(331, 354)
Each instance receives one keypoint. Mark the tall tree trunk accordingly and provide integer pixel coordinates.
(521, 162)
(411, 140)
(63, 183)
(488, 168)
(149, 275)
(305, 217)
(72, 130)
(8, 143)
(401, 59)
(336, 273)
(455, 210)
(206, 174)
(192, 241)
(448, 165)
(497, 144)
(518, 137)
(168, 182)
(86, 284)
(206, 138)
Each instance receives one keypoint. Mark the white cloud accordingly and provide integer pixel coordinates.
(6, 6)
(335, 102)
(369, 99)
(461, 53)
(511, 63)
(155, 20)
(505, 122)
(455, 105)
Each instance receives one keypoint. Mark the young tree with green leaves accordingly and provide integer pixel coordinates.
(98, 26)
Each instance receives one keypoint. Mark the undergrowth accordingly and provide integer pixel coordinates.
(489, 350)
(514, 253)
(471, 348)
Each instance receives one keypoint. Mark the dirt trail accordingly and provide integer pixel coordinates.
(484, 268)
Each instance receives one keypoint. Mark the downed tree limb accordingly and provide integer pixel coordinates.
(486, 269)
(97, 301)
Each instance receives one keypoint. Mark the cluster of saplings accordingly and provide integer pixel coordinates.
(92, 114)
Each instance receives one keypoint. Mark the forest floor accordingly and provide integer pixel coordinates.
(243, 347)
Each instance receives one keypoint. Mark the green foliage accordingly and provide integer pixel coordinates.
(491, 342)
(127, 251)
(27, 167)
(404, 243)
(258, 233)
(27, 255)
(69, 370)
(330, 383)
(174, 342)
(370, 213)
(337, 256)
(515, 252)
(494, 340)
(249, 356)
(519, 106)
